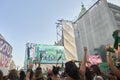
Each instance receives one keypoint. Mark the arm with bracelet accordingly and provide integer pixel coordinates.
(113, 68)
(108, 53)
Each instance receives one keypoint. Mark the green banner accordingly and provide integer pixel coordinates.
(49, 53)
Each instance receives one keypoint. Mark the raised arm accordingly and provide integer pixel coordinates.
(83, 64)
(113, 68)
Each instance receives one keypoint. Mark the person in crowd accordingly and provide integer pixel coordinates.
(62, 75)
(111, 76)
(1, 75)
(88, 74)
(5, 72)
(87, 71)
(49, 74)
(29, 73)
(13, 75)
(117, 52)
(55, 73)
(39, 68)
(83, 65)
(38, 75)
(71, 71)
(97, 74)
(22, 75)
(116, 47)
(114, 68)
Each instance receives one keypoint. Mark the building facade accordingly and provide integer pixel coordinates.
(116, 13)
(69, 40)
(95, 27)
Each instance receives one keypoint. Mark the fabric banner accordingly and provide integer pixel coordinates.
(94, 59)
(49, 54)
(5, 53)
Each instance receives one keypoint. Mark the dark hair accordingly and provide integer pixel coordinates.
(13, 75)
(38, 74)
(96, 69)
(55, 70)
(72, 70)
(31, 73)
(22, 75)
(88, 74)
(1, 75)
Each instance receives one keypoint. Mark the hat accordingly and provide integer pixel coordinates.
(4, 70)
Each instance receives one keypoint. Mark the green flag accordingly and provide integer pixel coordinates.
(116, 36)
(59, 58)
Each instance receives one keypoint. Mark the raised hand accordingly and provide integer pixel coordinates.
(85, 49)
(107, 47)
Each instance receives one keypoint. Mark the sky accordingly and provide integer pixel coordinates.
(33, 21)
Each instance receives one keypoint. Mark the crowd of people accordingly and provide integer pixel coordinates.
(71, 70)
(85, 70)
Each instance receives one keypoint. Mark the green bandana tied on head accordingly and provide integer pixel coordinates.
(116, 37)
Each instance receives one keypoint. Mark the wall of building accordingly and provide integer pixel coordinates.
(116, 13)
(69, 40)
(94, 28)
